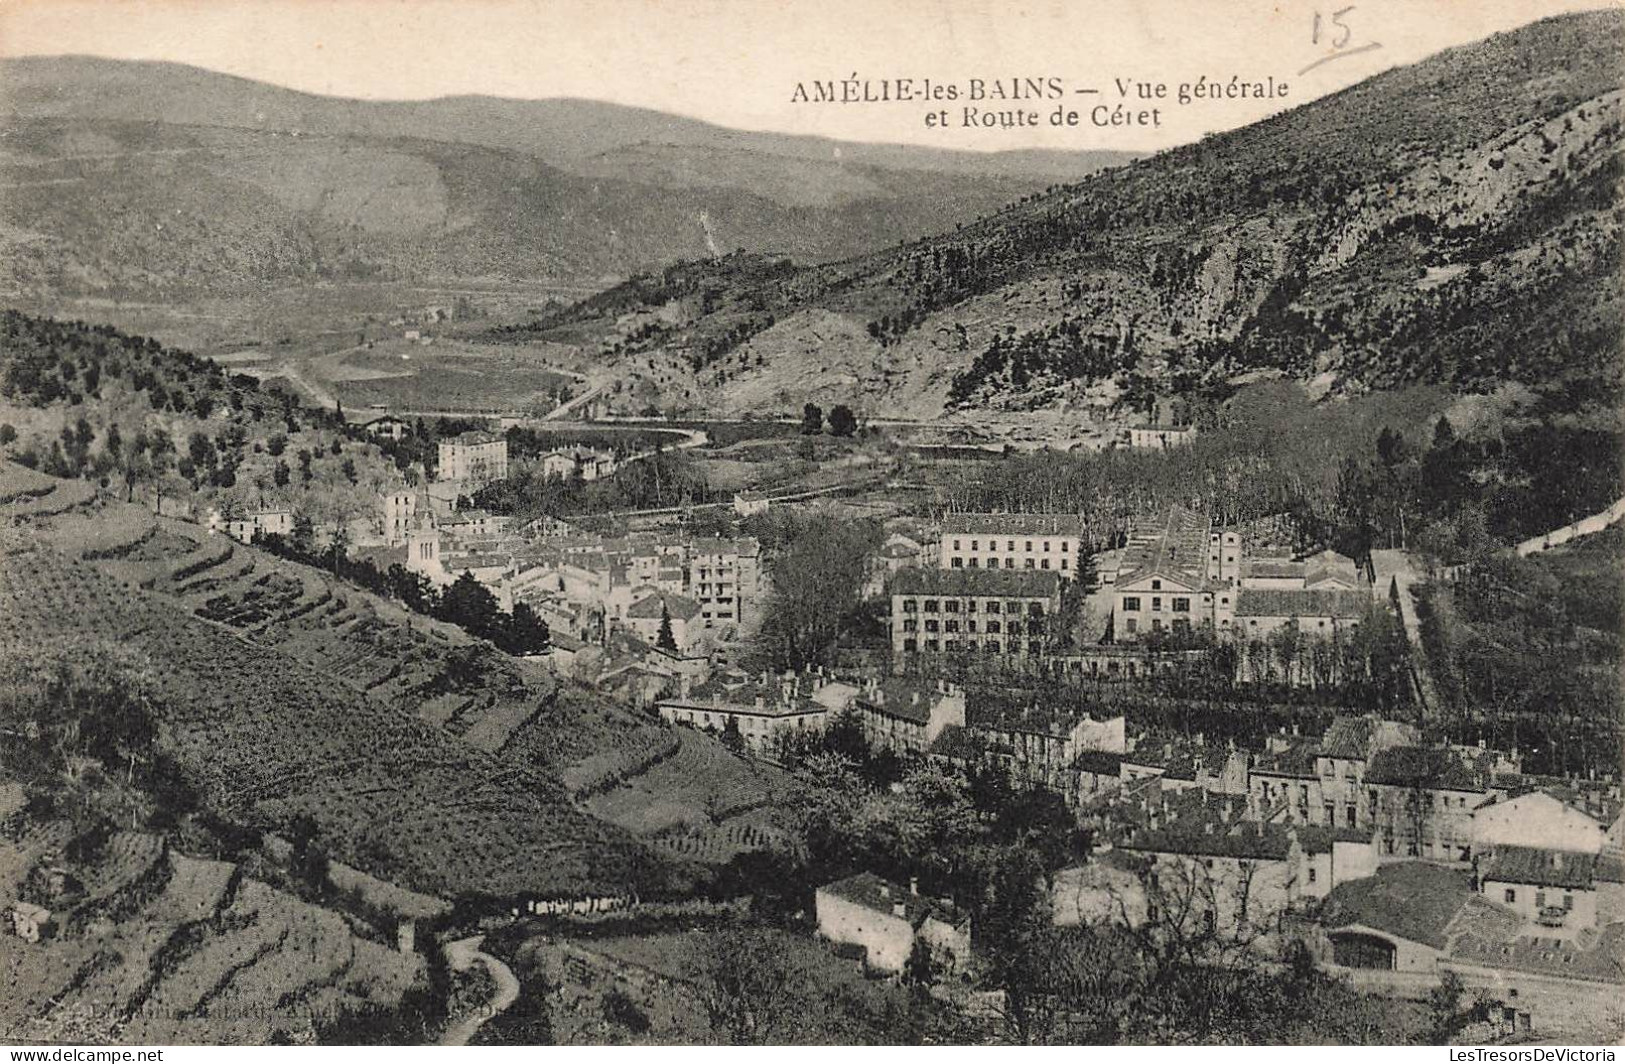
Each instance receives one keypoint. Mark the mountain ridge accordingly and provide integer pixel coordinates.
(1456, 219)
(101, 156)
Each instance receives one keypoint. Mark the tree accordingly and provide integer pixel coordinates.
(665, 640)
(812, 419)
(751, 987)
(280, 474)
(525, 632)
(470, 604)
(303, 536)
(842, 422)
(817, 581)
(731, 736)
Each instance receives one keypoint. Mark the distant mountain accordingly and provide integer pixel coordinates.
(1456, 220)
(132, 178)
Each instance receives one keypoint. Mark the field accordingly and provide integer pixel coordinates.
(447, 375)
(313, 714)
(172, 949)
(685, 795)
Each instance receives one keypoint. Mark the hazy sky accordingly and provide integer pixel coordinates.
(738, 63)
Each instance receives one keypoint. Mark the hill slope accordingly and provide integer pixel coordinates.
(1456, 220)
(147, 179)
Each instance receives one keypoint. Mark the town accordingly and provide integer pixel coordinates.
(485, 566)
(1028, 645)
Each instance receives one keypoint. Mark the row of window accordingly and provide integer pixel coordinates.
(992, 627)
(1010, 545)
(991, 646)
(1132, 624)
(1035, 609)
(1131, 604)
(1009, 563)
(1511, 896)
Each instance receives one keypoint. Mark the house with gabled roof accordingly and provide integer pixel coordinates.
(886, 920)
(652, 609)
(906, 715)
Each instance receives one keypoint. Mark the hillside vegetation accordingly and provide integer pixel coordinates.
(146, 180)
(1454, 221)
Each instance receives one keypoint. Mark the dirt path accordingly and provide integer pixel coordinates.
(462, 955)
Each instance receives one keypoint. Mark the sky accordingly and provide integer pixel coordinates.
(738, 62)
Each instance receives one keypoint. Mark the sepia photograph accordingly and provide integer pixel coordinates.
(986, 523)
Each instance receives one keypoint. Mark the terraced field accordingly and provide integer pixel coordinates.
(701, 803)
(306, 705)
(175, 950)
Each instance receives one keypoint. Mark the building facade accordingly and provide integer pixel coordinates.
(997, 612)
(1045, 542)
(475, 458)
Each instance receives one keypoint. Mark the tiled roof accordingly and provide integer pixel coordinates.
(1176, 547)
(1290, 602)
(972, 583)
(1272, 568)
(680, 607)
(1315, 838)
(900, 697)
(1431, 767)
(1012, 525)
(1352, 738)
(1012, 709)
(1409, 899)
(873, 892)
(1297, 760)
(468, 439)
(1209, 836)
(1179, 758)
(1540, 867)
(1593, 955)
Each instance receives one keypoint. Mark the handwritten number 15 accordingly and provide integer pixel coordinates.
(1340, 39)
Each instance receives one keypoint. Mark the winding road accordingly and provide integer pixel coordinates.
(463, 955)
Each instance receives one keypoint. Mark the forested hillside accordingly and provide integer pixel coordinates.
(1454, 221)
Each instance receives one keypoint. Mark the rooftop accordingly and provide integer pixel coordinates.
(474, 437)
(1410, 899)
(678, 607)
(1593, 955)
(1012, 524)
(898, 696)
(1540, 867)
(873, 892)
(977, 583)
(1295, 602)
(1177, 546)
(1431, 767)
(1356, 738)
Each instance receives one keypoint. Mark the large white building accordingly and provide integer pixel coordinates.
(475, 458)
(1046, 542)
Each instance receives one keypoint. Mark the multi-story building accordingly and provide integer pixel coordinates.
(724, 577)
(905, 716)
(400, 516)
(760, 708)
(1012, 541)
(1419, 800)
(474, 458)
(1160, 436)
(1172, 575)
(1002, 612)
(1035, 743)
(647, 614)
